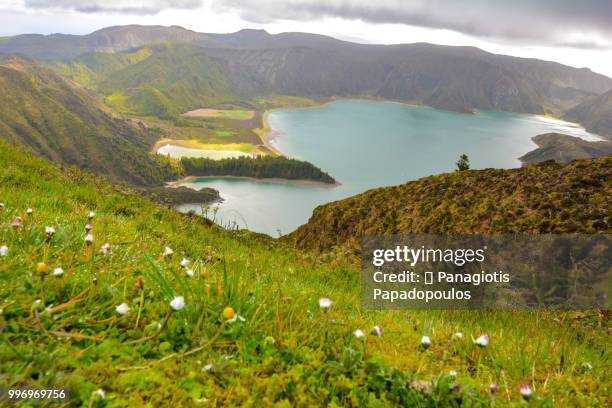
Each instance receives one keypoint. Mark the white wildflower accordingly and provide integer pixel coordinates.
(184, 262)
(359, 333)
(324, 303)
(49, 231)
(88, 239)
(3, 250)
(482, 341)
(168, 251)
(236, 318)
(425, 341)
(58, 271)
(100, 393)
(177, 303)
(526, 391)
(122, 309)
(91, 214)
(190, 272)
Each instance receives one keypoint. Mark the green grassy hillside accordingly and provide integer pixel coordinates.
(65, 123)
(548, 198)
(160, 80)
(104, 325)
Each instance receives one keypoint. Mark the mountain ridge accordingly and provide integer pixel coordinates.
(460, 79)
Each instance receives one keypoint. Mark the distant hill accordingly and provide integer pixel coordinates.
(161, 80)
(564, 149)
(452, 78)
(254, 63)
(122, 38)
(548, 198)
(110, 39)
(170, 80)
(595, 114)
(63, 122)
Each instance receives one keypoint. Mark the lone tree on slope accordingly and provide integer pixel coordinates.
(463, 163)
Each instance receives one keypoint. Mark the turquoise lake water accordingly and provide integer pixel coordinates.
(365, 145)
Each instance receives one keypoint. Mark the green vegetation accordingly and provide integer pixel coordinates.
(238, 114)
(251, 331)
(162, 80)
(564, 149)
(181, 195)
(463, 163)
(258, 167)
(67, 329)
(64, 123)
(548, 198)
(191, 70)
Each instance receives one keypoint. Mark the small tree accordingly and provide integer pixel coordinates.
(463, 163)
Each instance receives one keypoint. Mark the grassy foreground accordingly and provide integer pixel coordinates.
(275, 347)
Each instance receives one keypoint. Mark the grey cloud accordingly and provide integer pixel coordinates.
(546, 21)
(585, 45)
(142, 7)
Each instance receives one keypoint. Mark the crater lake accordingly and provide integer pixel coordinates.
(365, 145)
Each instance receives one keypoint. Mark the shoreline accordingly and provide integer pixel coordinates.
(549, 118)
(195, 144)
(274, 180)
(269, 134)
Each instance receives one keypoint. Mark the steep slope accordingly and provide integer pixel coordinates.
(109, 324)
(452, 78)
(161, 80)
(595, 114)
(564, 149)
(60, 121)
(253, 63)
(548, 198)
(172, 80)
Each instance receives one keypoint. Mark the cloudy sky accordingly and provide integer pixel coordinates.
(573, 32)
